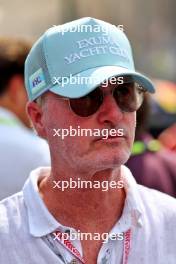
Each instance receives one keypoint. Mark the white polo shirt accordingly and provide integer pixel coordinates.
(26, 228)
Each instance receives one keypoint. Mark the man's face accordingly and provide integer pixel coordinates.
(88, 153)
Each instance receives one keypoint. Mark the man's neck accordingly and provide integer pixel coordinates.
(84, 209)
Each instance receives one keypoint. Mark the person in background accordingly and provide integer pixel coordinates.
(20, 149)
(168, 137)
(163, 113)
(156, 162)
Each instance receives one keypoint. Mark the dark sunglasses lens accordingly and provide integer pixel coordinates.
(87, 105)
(129, 96)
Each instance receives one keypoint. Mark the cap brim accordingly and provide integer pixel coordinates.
(86, 81)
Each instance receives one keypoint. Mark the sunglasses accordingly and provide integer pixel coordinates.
(128, 96)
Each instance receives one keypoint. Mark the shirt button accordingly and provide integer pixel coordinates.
(74, 261)
(67, 231)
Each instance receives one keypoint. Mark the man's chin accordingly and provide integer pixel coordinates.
(112, 161)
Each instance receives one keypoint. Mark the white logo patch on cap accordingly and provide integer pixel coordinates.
(37, 81)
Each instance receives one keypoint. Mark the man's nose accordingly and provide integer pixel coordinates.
(109, 111)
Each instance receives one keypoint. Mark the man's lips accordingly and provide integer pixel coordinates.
(111, 138)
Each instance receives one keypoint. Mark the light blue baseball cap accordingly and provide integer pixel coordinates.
(72, 59)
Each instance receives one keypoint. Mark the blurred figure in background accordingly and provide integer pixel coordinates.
(149, 156)
(168, 137)
(20, 149)
(163, 114)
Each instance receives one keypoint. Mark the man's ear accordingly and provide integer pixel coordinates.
(35, 114)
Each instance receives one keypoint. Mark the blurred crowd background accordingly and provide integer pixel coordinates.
(151, 28)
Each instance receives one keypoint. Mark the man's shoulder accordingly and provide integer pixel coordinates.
(149, 193)
(157, 206)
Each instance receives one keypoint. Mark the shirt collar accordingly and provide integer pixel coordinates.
(133, 204)
(133, 207)
(41, 222)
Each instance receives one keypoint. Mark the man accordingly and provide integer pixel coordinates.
(157, 163)
(38, 223)
(20, 149)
